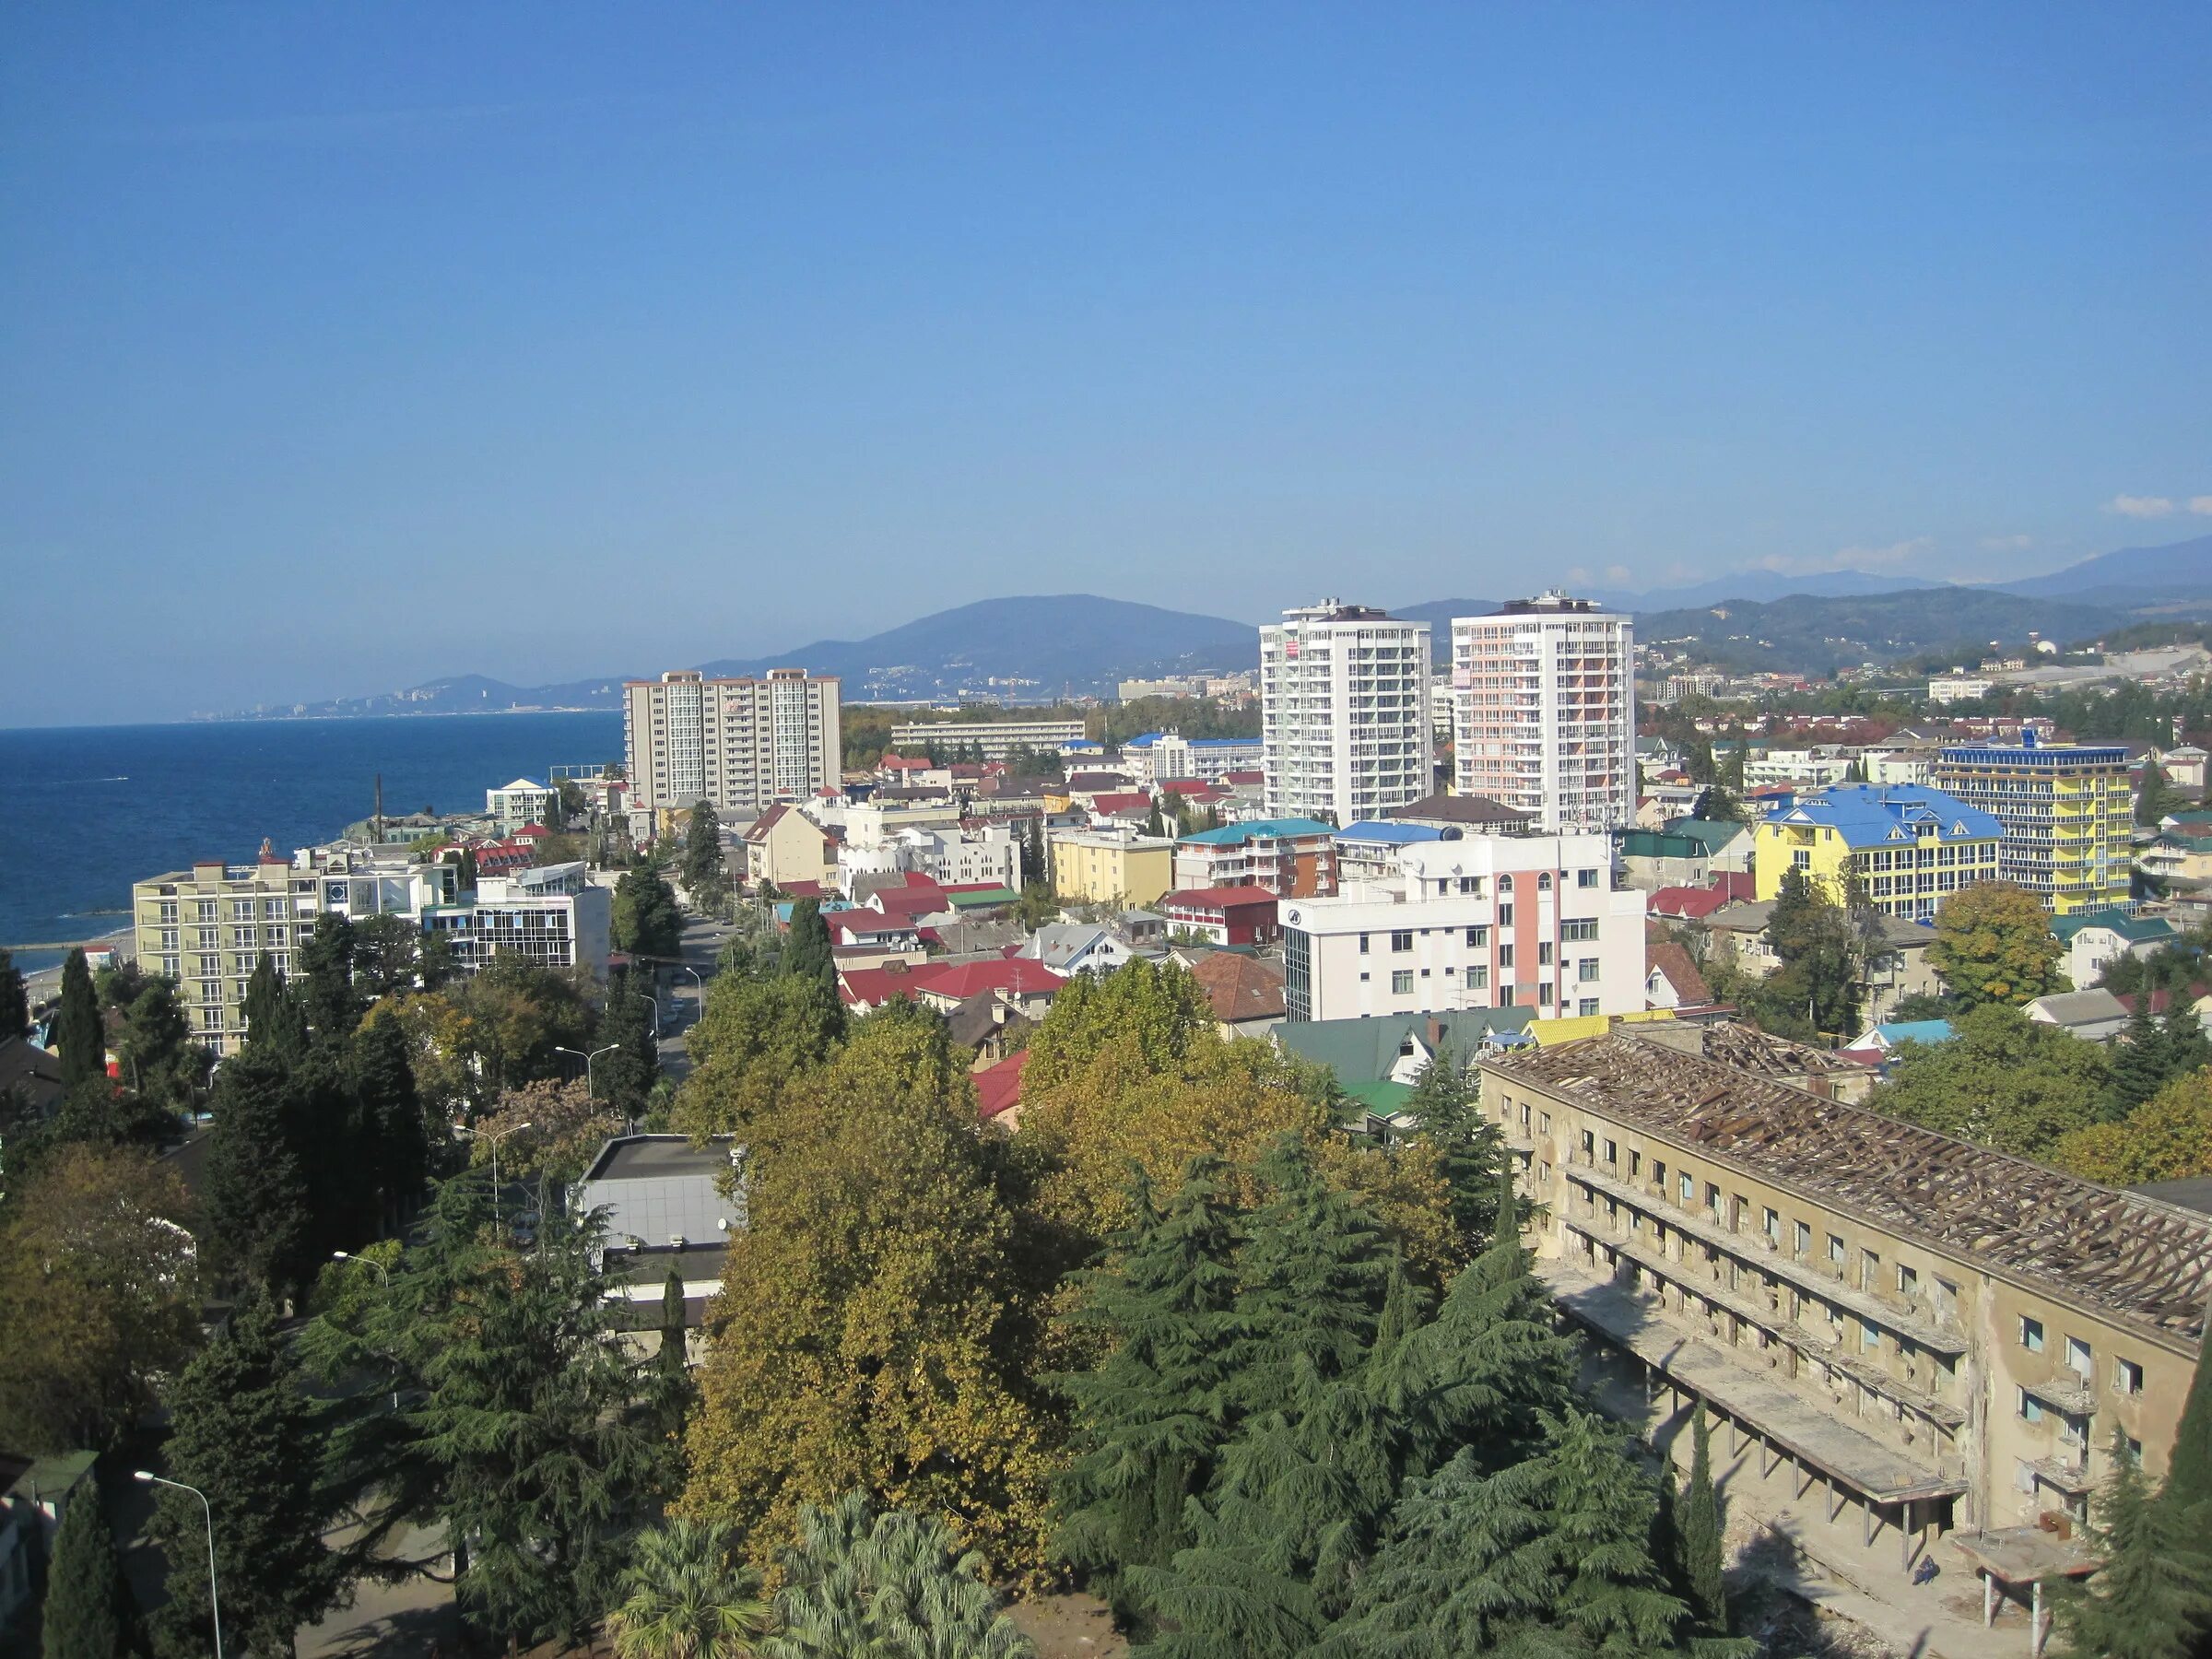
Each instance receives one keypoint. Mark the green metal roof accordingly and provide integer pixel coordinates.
(2135, 930)
(1657, 843)
(1366, 1050)
(1382, 1097)
(1711, 833)
(983, 898)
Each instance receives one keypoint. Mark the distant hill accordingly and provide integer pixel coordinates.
(1813, 635)
(1036, 648)
(2132, 576)
(1763, 585)
(1064, 641)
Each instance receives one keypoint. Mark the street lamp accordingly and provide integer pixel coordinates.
(495, 1137)
(587, 1060)
(147, 1477)
(385, 1273)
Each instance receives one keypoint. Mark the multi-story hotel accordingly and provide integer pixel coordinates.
(1488, 921)
(1344, 713)
(1545, 711)
(207, 928)
(1935, 1334)
(1913, 846)
(740, 744)
(2067, 816)
(986, 739)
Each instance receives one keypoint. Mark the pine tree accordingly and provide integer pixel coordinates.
(88, 1613)
(246, 1435)
(14, 999)
(1492, 1366)
(256, 1215)
(1469, 1149)
(1314, 1268)
(1150, 1419)
(78, 1032)
(1549, 1554)
(2139, 1060)
(1698, 1532)
(2152, 1598)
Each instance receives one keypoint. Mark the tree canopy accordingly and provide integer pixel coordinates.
(1994, 943)
(2002, 1080)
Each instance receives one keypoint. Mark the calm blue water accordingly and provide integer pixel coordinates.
(86, 810)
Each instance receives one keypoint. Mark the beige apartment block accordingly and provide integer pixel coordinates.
(1106, 867)
(207, 928)
(741, 744)
(1930, 1334)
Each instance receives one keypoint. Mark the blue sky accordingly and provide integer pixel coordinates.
(344, 346)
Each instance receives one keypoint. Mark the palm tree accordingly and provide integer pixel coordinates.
(863, 1585)
(686, 1595)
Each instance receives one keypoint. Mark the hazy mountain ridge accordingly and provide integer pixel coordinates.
(1046, 646)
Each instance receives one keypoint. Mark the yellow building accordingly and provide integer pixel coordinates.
(1911, 845)
(1108, 867)
(1938, 1335)
(2067, 812)
(208, 927)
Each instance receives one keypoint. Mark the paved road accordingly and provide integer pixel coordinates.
(681, 996)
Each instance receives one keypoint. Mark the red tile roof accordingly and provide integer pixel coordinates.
(1687, 902)
(1673, 964)
(1240, 987)
(872, 987)
(1218, 897)
(1192, 787)
(1243, 777)
(1129, 800)
(999, 1087)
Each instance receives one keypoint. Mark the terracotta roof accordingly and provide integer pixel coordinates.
(1687, 901)
(872, 987)
(1219, 898)
(1460, 809)
(999, 1087)
(1122, 800)
(1672, 961)
(1240, 987)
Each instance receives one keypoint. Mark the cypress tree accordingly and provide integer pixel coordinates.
(256, 1209)
(14, 999)
(2152, 1598)
(1698, 1534)
(806, 948)
(88, 1613)
(627, 1075)
(2189, 1467)
(78, 1032)
(247, 1436)
(332, 1009)
(396, 1141)
(1149, 1417)
(275, 1020)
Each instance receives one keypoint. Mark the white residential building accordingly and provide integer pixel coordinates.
(1344, 713)
(1808, 766)
(741, 744)
(1163, 756)
(988, 855)
(1488, 921)
(985, 739)
(1545, 717)
(1958, 687)
(550, 916)
(525, 801)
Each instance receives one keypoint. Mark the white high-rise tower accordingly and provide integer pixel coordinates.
(1343, 714)
(1543, 711)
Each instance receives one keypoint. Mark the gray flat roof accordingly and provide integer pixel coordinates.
(657, 1156)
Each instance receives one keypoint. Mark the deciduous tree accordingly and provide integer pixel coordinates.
(98, 1296)
(755, 1037)
(1994, 943)
(645, 919)
(2002, 1080)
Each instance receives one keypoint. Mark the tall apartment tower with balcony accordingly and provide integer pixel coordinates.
(741, 744)
(1344, 713)
(2067, 813)
(1543, 711)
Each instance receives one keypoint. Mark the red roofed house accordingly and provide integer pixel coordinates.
(1227, 915)
(1026, 987)
(1246, 993)
(998, 1091)
(1671, 979)
(1685, 904)
(1127, 805)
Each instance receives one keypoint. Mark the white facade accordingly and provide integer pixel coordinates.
(1344, 713)
(1796, 766)
(1165, 757)
(551, 916)
(521, 803)
(1545, 711)
(1958, 687)
(741, 744)
(992, 739)
(1488, 921)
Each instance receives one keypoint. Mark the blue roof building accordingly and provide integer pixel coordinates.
(1911, 845)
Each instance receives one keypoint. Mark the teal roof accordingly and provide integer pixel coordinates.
(983, 898)
(1715, 833)
(2135, 930)
(1916, 1030)
(1366, 1050)
(1657, 843)
(1230, 835)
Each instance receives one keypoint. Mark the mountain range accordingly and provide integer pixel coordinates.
(1037, 648)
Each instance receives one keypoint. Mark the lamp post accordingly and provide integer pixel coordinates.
(147, 1477)
(495, 1138)
(587, 1060)
(699, 984)
(385, 1274)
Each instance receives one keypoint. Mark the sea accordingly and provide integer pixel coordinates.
(85, 811)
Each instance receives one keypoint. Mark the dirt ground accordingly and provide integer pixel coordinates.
(1069, 1627)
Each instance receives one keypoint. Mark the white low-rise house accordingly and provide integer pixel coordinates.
(2096, 939)
(1163, 756)
(1073, 948)
(1487, 922)
(1899, 766)
(2184, 766)
(524, 801)
(1808, 766)
(2094, 1016)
